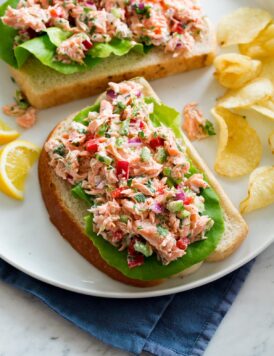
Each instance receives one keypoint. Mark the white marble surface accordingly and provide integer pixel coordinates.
(29, 328)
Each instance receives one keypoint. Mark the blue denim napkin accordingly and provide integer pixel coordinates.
(178, 324)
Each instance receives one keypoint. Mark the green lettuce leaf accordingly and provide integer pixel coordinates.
(197, 252)
(44, 48)
(83, 114)
(118, 47)
(7, 35)
(152, 268)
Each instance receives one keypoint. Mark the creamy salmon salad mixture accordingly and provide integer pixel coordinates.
(175, 25)
(145, 198)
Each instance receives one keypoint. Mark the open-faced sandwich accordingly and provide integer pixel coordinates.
(129, 192)
(61, 50)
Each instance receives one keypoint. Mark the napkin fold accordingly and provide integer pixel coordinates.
(178, 324)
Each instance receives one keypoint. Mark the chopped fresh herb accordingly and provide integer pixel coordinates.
(119, 108)
(129, 182)
(21, 101)
(143, 248)
(124, 127)
(145, 154)
(140, 198)
(139, 227)
(167, 171)
(107, 135)
(162, 230)
(141, 134)
(142, 9)
(124, 218)
(102, 129)
(175, 206)
(150, 186)
(60, 150)
(209, 128)
(104, 159)
(161, 155)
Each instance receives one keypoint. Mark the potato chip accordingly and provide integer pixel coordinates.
(242, 26)
(260, 190)
(265, 108)
(268, 69)
(257, 90)
(262, 45)
(240, 149)
(233, 70)
(271, 141)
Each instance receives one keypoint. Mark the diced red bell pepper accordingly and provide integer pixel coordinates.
(156, 142)
(160, 190)
(135, 261)
(89, 136)
(142, 125)
(182, 243)
(87, 44)
(118, 236)
(122, 169)
(117, 192)
(179, 29)
(188, 200)
(92, 146)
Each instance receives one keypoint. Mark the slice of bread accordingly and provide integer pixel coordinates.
(67, 213)
(44, 87)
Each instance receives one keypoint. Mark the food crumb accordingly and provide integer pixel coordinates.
(195, 125)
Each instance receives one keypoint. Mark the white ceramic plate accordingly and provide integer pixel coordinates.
(32, 244)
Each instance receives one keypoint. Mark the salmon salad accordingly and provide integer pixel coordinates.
(174, 25)
(145, 197)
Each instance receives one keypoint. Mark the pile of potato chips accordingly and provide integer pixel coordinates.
(249, 79)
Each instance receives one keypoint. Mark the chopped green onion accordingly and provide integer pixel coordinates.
(183, 214)
(143, 248)
(145, 154)
(175, 206)
(119, 142)
(102, 129)
(124, 128)
(162, 230)
(140, 198)
(124, 218)
(104, 159)
(161, 155)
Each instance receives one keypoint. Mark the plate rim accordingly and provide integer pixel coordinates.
(146, 294)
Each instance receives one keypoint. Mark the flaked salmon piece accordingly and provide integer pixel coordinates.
(195, 182)
(28, 119)
(33, 17)
(194, 122)
(165, 245)
(150, 169)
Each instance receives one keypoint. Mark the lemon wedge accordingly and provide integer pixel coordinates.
(16, 159)
(6, 133)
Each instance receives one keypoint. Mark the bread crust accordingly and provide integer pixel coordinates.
(60, 215)
(45, 87)
(65, 222)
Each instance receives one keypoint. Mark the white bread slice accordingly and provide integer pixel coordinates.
(67, 213)
(45, 87)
